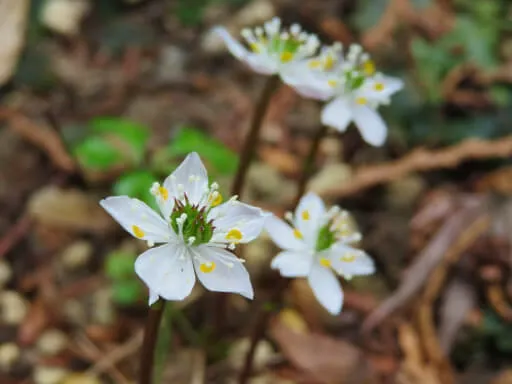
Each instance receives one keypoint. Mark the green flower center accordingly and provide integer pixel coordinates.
(325, 238)
(195, 225)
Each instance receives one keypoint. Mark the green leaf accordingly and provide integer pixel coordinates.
(96, 153)
(216, 154)
(136, 184)
(126, 292)
(120, 265)
(136, 135)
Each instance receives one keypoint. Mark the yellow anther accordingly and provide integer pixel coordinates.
(305, 215)
(286, 56)
(378, 87)
(254, 47)
(313, 64)
(234, 235)
(207, 267)
(163, 193)
(361, 100)
(215, 199)
(138, 232)
(324, 262)
(297, 234)
(369, 67)
(329, 63)
(332, 83)
(348, 257)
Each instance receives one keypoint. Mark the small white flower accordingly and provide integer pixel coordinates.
(272, 49)
(315, 245)
(352, 84)
(196, 229)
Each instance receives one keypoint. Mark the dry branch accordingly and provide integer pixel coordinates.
(421, 160)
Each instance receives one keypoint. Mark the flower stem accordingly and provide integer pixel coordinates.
(251, 140)
(263, 316)
(147, 353)
(246, 155)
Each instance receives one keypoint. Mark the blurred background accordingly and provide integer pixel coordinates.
(105, 97)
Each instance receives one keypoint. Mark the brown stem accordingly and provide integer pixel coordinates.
(251, 140)
(147, 353)
(263, 316)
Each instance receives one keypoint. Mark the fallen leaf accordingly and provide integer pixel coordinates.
(321, 357)
(13, 19)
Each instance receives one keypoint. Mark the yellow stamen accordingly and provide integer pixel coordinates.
(214, 201)
(297, 234)
(313, 64)
(305, 215)
(369, 67)
(378, 87)
(324, 262)
(332, 83)
(329, 63)
(138, 232)
(234, 235)
(348, 257)
(207, 267)
(361, 100)
(286, 56)
(254, 47)
(163, 193)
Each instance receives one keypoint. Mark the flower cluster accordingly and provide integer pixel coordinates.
(197, 232)
(350, 82)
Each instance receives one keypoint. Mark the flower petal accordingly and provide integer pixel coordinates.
(326, 287)
(153, 297)
(283, 235)
(138, 219)
(167, 271)
(220, 271)
(337, 114)
(233, 45)
(310, 217)
(349, 261)
(247, 219)
(190, 178)
(292, 263)
(370, 124)
(306, 82)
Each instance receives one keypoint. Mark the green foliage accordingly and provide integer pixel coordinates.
(222, 160)
(136, 184)
(191, 12)
(127, 292)
(126, 288)
(119, 265)
(112, 142)
(498, 330)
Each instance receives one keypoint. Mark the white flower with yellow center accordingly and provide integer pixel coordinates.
(271, 49)
(197, 231)
(316, 245)
(352, 84)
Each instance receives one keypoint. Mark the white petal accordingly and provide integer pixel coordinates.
(167, 271)
(235, 47)
(228, 274)
(337, 114)
(370, 124)
(153, 297)
(326, 287)
(282, 234)
(310, 217)
(306, 82)
(262, 64)
(360, 265)
(134, 215)
(190, 177)
(233, 214)
(293, 263)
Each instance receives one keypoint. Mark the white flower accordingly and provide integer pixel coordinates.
(352, 84)
(317, 244)
(271, 49)
(196, 230)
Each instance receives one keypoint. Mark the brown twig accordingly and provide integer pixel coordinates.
(421, 160)
(147, 352)
(14, 235)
